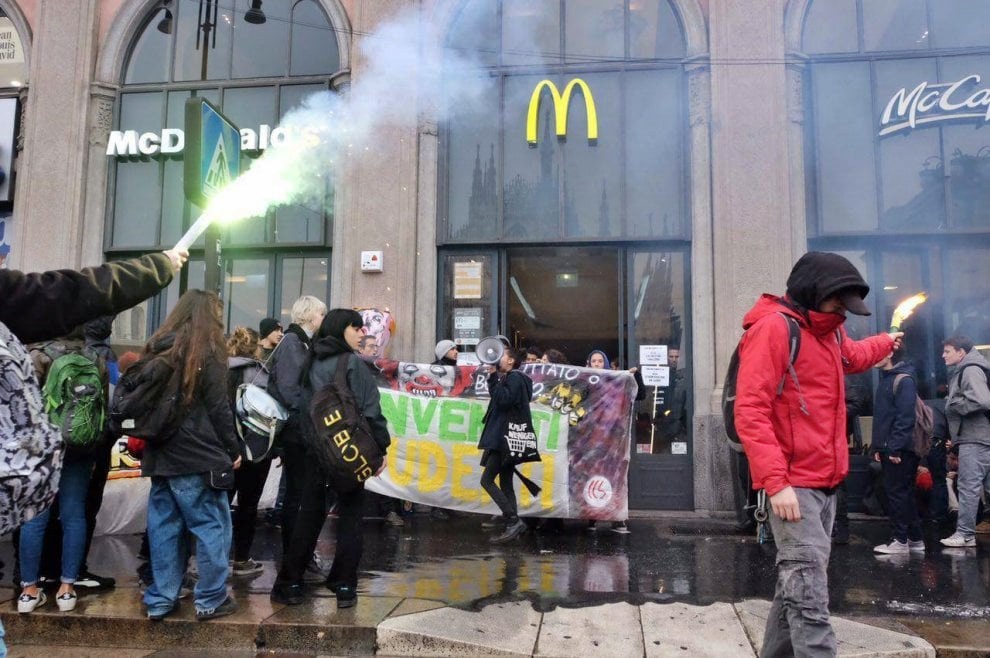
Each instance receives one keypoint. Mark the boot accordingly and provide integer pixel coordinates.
(512, 530)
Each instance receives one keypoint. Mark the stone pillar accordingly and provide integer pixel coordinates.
(101, 102)
(758, 223)
(379, 209)
(52, 181)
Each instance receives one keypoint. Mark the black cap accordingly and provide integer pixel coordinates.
(850, 298)
(268, 325)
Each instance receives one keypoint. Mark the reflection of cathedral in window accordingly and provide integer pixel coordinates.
(483, 204)
(533, 210)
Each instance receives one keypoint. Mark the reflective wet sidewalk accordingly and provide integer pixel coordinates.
(428, 563)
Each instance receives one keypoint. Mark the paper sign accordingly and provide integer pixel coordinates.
(467, 325)
(678, 448)
(655, 375)
(653, 355)
(467, 280)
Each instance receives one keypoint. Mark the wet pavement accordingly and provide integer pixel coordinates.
(682, 560)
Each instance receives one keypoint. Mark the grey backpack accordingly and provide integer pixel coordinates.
(31, 448)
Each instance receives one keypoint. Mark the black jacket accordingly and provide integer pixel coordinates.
(360, 380)
(206, 440)
(46, 305)
(508, 394)
(288, 368)
(893, 415)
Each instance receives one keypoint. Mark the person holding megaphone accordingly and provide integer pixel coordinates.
(510, 392)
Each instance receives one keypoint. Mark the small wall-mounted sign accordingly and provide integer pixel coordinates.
(371, 261)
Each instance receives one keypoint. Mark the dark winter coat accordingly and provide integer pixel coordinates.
(206, 440)
(288, 369)
(797, 438)
(444, 362)
(893, 413)
(509, 395)
(42, 306)
(323, 369)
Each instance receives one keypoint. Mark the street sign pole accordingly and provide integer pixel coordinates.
(213, 158)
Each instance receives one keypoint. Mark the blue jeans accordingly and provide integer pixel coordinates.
(973, 478)
(72, 486)
(798, 622)
(176, 505)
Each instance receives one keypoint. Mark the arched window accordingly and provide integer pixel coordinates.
(627, 183)
(255, 66)
(899, 173)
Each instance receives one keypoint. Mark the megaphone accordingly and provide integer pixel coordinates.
(490, 350)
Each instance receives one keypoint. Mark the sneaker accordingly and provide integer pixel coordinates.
(228, 607)
(66, 601)
(158, 615)
(394, 519)
(27, 603)
(983, 528)
(512, 531)
(246, 567)
(916, 546)
(491, 522)
(620, 527)
(346, 596)
(287, 594)
(893, 548)
(958, 541)
(90, 580)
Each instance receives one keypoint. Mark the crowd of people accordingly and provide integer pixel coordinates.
(200, 467)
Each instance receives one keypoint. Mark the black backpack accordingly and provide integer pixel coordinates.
(729, 390)
(346, 451)
(147, 401)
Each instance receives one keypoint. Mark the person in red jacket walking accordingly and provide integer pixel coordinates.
(792, 423)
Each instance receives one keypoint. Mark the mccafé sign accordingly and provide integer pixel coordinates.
(933, 103)
(172, 140)
(561, 102)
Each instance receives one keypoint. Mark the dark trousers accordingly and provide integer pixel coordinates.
(249, 483)
(294, 469)
(503, 495)
(938, 501)
(309, 523)
(898, 482)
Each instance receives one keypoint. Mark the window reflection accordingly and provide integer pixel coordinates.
(247, 289)
(314, 44)
(302, 276)
(262, 51)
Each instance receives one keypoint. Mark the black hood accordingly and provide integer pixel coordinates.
(330, 346)
(818, 275)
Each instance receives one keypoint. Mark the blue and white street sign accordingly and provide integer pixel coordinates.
(213, 151)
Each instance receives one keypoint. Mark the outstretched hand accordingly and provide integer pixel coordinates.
(178, 258)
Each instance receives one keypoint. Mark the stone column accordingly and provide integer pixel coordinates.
(102, 99)
(757, 231)
(52, 181)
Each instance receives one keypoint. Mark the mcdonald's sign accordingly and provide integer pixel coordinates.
(560, 104)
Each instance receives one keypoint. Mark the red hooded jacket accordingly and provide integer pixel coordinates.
(797, 438)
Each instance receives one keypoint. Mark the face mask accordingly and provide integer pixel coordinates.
(824, 323)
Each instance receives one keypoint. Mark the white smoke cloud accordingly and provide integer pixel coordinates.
(402, 75)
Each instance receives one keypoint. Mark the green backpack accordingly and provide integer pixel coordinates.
(74, 400)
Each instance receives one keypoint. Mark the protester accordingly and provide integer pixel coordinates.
(554, 356)
(288, 371)
(510, 392)
(269, 335)
(70, 526)
(249, 480)
(191, 469)
(893, 447)
(339, 334)
(446, 353)
(41, 306)
(966, 407)
(795, 439)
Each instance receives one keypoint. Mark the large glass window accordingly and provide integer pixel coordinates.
(255, 72)
(900, 164)
(503, 182)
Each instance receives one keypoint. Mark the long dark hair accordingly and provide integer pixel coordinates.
(197, 325)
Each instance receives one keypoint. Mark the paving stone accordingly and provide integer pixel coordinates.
(318, 626)
(589, 631)
(502, 629)
(955, 638)
(679, 629)
(853, 638)
(32, 651)
(412, 606)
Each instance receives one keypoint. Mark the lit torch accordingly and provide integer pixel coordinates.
(905, 309)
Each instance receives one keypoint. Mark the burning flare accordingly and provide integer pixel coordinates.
(905, 309)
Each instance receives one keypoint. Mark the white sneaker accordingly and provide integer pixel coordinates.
(958, 541)
(27, 603)
(893, 548)
(66, 601)
(917, 546)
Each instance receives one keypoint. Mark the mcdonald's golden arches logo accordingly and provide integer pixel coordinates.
(560, 104)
